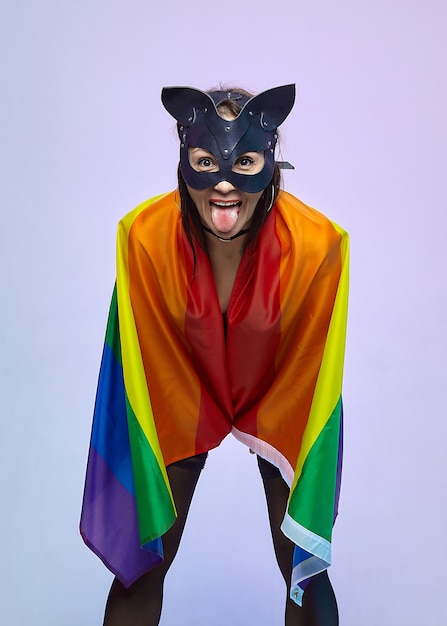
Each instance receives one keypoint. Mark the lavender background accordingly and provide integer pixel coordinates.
(83, 139)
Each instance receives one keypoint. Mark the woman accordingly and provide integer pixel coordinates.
(229, 316)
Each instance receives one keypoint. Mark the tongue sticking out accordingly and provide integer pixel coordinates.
(224, 220)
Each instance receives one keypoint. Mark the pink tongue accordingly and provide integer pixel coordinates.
(224, 220)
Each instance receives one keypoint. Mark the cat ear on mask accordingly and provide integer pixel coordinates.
(274, 105)
(182, 103)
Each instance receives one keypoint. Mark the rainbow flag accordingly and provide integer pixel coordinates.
(173, 384)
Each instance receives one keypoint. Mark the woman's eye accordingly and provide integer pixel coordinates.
(202, 160)
(244, 162)
(205, 162)
(249, 163)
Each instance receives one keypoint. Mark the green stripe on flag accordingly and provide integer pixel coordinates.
(156, 513)
(112, 332)
(312, 501)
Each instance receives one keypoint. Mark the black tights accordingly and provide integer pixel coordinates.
(319, 604)
(141, 604)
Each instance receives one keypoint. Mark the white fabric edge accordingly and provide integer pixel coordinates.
(267, 452)
(304, 538)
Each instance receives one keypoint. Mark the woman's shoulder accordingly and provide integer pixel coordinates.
(302, 219)
(152, 215)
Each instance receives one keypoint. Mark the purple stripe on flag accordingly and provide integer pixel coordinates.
(109, 524)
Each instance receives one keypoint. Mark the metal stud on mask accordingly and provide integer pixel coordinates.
(253, 130)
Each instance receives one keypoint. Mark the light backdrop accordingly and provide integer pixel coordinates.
(83, 139)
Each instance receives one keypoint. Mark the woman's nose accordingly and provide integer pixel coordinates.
(224, 186)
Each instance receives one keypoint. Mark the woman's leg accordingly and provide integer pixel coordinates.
(141, 603)
(319, 604)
